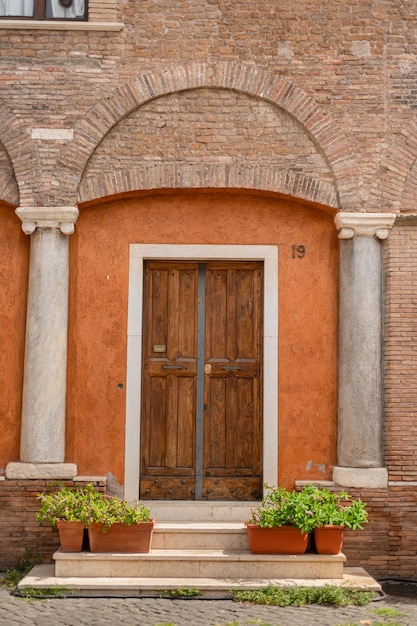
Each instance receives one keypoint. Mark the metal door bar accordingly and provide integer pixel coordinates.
(199, 431)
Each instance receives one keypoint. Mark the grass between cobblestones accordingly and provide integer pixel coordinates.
(11, 577)
(300, 596)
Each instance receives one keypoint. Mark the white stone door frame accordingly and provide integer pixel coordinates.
(143, 252)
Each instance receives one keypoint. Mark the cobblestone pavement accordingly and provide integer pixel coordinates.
(397, 608)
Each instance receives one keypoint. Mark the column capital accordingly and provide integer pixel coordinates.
(352, 224)
(59, 217)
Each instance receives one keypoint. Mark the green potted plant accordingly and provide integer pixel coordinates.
(281, 524)
(116, 526)
(68, 509)
(113, 524)
(332, 513)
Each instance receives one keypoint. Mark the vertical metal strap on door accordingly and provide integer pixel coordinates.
(201, 314)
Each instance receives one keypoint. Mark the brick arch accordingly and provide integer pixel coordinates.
(252, 81)
(206, 176)
(24, 160)
(395, 186)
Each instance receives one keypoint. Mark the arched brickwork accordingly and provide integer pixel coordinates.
(395, 186)
(204, 176)
(278, 90)
(23, 160)
(9, 192)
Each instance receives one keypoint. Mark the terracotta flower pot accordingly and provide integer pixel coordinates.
(283, 540)
(71, 535)
(121, 538)
(328, 539)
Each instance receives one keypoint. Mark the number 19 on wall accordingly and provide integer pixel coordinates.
(298, 252)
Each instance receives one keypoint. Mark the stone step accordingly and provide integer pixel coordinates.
(43, 577)
(201, 511)
(196, 564)
(200, 536)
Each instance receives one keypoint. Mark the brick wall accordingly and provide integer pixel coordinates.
(401, 351)
(355, 63)
(388, 544)
(208, 125)
(21, 535)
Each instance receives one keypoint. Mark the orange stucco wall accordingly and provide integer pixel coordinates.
(99, 253)
(14, 259)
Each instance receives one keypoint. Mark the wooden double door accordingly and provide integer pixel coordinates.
(201, 416)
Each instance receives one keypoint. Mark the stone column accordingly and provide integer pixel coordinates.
(360, 417)
(42, 441)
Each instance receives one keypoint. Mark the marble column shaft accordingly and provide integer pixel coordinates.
(44, 386)
(45, 369)
(360, 410)
(360, 371)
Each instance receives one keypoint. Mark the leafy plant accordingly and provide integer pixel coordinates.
(336, 508)
(70, 505)
(280, 507)
(299, 596)
(88, 505)
(109, 511)
(309, 508)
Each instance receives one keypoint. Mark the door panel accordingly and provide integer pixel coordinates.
(232, 419)
(230, 432)
(169, 381)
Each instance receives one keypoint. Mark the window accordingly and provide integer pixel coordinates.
(45, 9)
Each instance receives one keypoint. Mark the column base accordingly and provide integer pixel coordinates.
(361, 477)
(60, 471)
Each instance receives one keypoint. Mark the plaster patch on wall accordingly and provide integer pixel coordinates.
(54, 134)
(113, 487)
(320, 466)
(285, 50)
(361, 48)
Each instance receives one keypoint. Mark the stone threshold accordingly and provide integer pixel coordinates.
(42, 577)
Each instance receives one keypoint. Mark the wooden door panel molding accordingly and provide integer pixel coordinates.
(224, 488)
(177, 489)
(240, 368)
(232, 427)
(185, 368)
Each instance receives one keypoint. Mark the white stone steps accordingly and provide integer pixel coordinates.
(43, 577)
(201, 511)
(237, 564)
(205, 554)
(200, 536)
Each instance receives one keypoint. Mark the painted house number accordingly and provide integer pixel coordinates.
(298, 252)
